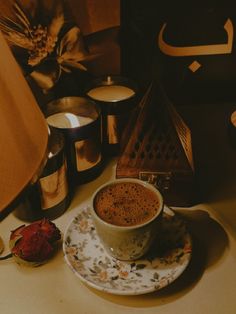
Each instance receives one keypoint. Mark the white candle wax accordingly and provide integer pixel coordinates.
(111, 93)
(67, 120)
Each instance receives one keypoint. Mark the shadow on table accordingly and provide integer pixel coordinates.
(82, 193)
(209, 244)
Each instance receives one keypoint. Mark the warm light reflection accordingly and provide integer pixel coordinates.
(50, 155)
(73, 120)
(233, 118)
(68, 120)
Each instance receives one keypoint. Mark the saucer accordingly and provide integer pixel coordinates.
(164, 263)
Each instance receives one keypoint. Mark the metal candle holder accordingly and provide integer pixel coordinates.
(117, 96)
(49, 197)
(79, 120)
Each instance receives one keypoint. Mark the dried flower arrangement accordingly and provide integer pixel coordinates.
(49, 42)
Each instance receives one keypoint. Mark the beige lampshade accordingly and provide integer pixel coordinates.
(23, 131)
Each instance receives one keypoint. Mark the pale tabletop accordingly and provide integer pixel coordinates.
(207, 286)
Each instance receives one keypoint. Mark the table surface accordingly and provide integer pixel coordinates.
(207, 286)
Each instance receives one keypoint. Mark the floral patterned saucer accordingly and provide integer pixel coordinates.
(165, 262)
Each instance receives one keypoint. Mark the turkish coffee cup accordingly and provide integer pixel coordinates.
(127, 215)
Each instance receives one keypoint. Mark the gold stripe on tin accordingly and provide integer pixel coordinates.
(88, 153)
(54, 188)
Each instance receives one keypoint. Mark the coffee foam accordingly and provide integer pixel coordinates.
(126, 204)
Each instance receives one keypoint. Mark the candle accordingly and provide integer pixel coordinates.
(67, 120)
(49, 196)
(117, 97)
(79, 120)
(53, 185)
(111, 93)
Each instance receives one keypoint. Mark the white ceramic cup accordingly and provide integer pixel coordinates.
(128, 242)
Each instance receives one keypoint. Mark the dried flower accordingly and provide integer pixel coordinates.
(43, 40)
(34, 244)
(39, 40)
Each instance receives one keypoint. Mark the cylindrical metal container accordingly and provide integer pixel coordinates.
(79, 120)
(49, 197)
(117, 96)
